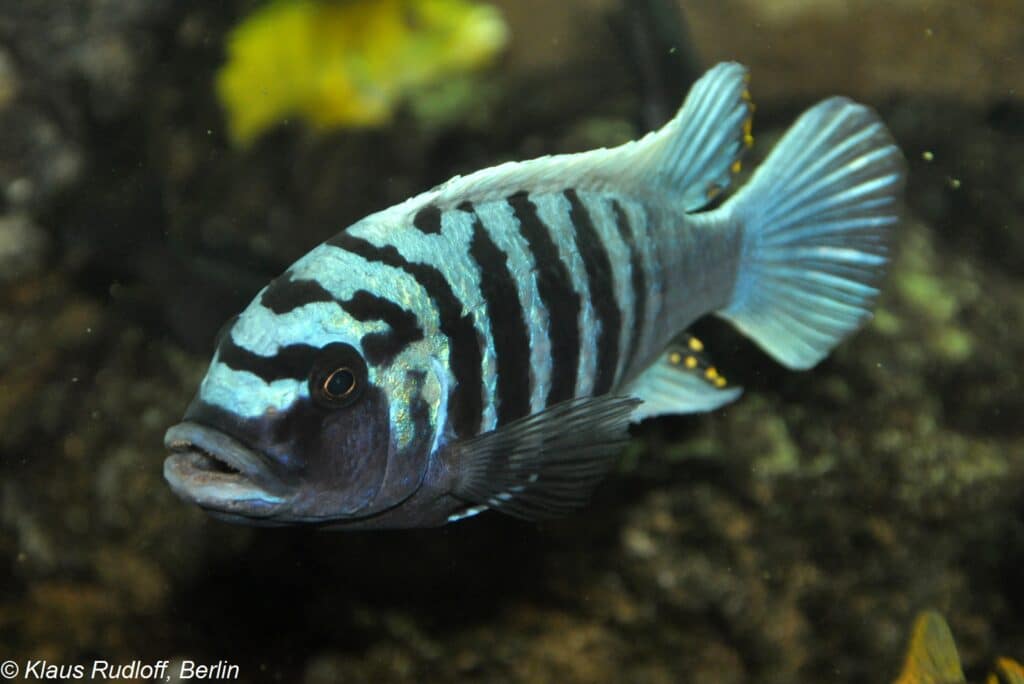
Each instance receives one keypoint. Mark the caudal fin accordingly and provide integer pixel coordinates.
(816, 219)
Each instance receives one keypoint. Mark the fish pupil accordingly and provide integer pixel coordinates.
(340, 383)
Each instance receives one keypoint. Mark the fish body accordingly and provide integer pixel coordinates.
(486, 344)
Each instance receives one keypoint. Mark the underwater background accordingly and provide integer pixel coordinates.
(153, 178)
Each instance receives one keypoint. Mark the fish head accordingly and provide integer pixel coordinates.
(292, 424)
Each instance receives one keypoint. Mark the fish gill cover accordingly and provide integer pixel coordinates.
(348, 63)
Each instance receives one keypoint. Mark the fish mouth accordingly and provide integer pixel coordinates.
(217, 472)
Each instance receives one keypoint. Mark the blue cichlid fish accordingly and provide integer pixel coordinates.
(486, 344)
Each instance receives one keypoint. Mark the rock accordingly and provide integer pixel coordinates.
(23, 247)
(868, 49)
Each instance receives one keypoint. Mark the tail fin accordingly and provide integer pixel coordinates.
(816, 219)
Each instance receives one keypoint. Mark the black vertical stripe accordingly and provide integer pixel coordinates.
(560, 298)
(465, 355)
(428, 220)
(381, 348)
(508, 324)
(636, 269)
(602, 292)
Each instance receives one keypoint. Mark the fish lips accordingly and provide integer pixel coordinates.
(220, 474)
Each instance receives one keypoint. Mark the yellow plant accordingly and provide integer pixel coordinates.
(347, 63)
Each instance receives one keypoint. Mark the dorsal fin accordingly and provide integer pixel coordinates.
(1007, 672)
(693, 156)
(931, 656)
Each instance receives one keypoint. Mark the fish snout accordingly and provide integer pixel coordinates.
(220, 474)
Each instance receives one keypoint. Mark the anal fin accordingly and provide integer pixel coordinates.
(682, 380)
(544, 465)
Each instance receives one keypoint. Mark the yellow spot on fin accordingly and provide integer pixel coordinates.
(687, 351)
(748, 123)
(931, 656)
(681, 380)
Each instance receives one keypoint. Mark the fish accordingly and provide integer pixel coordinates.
(487, 344)
(932, 657)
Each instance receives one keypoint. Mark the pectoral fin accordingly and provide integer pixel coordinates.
(544, 465)
(682, 380)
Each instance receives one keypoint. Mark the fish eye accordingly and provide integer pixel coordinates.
(338, 376)
(340, 384)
